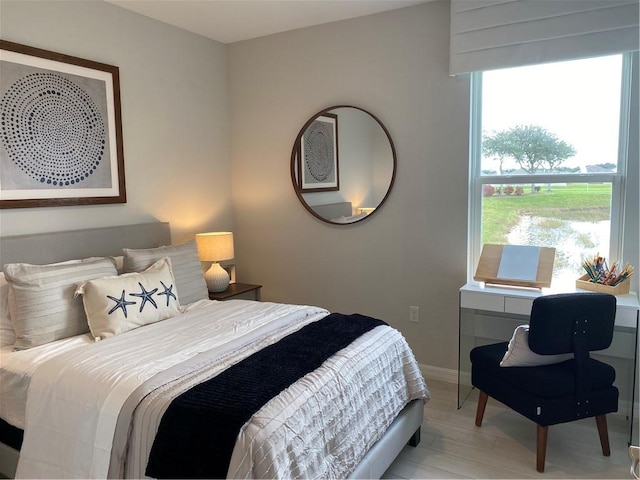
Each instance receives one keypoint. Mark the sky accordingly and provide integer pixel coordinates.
(578, 101)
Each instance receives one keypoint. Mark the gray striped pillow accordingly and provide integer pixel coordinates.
(41, 298)
(185, 264)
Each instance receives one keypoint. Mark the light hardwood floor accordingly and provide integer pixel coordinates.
(504, 447)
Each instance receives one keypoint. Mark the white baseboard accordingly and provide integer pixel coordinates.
(438, 373)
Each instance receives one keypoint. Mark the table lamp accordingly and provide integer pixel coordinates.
(366, 210)
(215, 247)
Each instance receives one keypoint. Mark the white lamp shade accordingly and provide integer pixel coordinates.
(215, 246)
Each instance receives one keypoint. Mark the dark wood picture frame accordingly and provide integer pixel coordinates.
(61, 130)
(318, 162)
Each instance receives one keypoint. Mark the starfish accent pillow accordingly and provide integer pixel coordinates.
(121, 303)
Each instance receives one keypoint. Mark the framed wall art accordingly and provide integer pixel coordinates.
(318, 155)
(60, 130)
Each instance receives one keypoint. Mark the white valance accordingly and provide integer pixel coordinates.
(491, 34)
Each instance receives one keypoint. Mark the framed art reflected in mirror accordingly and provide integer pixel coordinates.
(318, 157)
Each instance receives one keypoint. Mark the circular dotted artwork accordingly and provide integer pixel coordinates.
(318, 150)
(52, 129)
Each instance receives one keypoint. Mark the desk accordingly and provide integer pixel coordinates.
(489, 314)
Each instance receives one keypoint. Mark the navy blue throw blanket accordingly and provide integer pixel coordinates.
(198, 431)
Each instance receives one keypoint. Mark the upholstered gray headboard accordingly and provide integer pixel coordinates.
(333, 210)
(42, 248)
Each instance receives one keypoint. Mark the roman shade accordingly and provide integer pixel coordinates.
(493, 34)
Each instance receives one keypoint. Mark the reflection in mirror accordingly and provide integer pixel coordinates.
(343, 165)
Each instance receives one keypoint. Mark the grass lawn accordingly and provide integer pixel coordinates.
(573, 202)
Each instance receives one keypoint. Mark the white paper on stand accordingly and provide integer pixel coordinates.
(519, 262)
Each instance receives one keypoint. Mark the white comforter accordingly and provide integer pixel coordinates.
(17, 367)
(75, 398)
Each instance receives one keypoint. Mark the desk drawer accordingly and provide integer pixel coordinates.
(521, 306)
(626, 317)
(482, 301)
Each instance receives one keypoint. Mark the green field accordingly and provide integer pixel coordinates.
(573, 202)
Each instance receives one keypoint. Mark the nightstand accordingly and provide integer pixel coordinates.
(236, 290)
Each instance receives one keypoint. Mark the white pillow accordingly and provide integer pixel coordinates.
(7, 334)
(41, 298)
(185, 265)
(520, 355)
(118, 304)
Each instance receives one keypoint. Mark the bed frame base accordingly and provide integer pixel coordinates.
(8, 460)
(414, 441)
(405, 429)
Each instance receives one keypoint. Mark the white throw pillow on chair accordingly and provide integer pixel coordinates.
(520, 355)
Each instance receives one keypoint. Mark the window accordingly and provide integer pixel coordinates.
(548, 159)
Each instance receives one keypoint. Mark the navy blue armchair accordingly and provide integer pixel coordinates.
(577, 388)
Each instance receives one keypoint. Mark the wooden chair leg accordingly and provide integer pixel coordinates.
(603, 431)
(541, 447)
(482, 403)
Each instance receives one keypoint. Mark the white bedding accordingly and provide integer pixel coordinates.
(319, 427)
(333, 416)
(79, 387)
(16, 369)
(349, 218)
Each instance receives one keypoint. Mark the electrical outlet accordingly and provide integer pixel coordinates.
(414, 314)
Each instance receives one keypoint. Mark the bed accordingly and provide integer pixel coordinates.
(191, 387)
(340, 212)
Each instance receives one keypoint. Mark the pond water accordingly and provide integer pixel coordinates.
(574, 242)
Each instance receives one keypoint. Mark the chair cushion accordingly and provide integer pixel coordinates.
(545, 381)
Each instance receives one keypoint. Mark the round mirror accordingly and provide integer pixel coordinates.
(343, 164)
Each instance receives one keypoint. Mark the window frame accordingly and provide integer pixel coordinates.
(617, 179)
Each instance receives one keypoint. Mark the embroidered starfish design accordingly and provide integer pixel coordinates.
(145, 296)
(168, 291)
(120, 303)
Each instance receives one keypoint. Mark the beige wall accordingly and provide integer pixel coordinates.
(412, 252)
(174, 108)
(183, 105)
(180, 113)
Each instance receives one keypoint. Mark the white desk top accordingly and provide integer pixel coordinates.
(518, 300)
